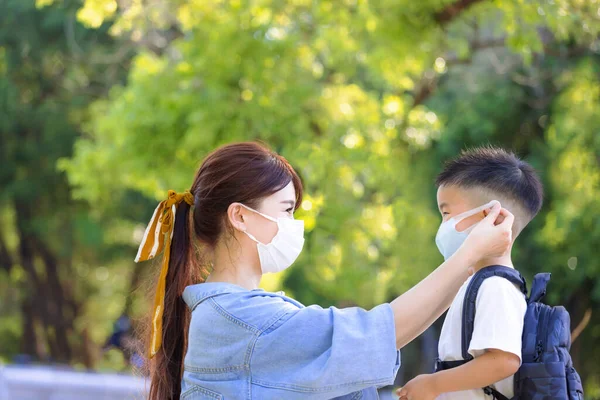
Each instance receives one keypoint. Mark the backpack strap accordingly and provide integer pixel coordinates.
(444, 365)
(469, 303)
(468, 315)
(490, 391)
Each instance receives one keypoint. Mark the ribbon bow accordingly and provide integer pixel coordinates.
(157, 238)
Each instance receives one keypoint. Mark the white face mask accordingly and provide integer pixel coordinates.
(448, 239)
(285, 247)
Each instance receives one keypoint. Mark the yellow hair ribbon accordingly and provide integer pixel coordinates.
(157, 238)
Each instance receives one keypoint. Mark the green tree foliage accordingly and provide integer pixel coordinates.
(366, 99)
(51, 68)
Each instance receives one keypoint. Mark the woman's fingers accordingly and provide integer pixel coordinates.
(503, 225)
(507, 218)
(499, 220)
(402, 394)
(492, 237)
(493, 212)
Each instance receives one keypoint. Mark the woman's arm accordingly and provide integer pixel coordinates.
(419, 307)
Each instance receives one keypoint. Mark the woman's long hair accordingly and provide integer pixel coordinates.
(239, 172)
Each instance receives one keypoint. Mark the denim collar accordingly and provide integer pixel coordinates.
(196, 294)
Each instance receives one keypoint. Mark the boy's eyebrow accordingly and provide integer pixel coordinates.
(442, 205)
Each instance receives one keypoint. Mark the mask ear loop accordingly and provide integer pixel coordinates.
(259, 213)
(474, 211)
(251, 236)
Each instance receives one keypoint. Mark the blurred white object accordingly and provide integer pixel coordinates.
(47, 383)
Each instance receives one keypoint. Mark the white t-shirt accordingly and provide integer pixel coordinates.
(500, 310)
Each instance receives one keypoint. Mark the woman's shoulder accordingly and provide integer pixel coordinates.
(256, 308)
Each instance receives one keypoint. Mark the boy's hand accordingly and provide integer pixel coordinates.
(421, 387)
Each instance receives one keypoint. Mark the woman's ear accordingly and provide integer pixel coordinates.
(235, 215)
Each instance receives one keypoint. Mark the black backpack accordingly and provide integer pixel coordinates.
(547, 370)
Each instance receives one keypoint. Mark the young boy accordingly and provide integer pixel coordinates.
(465, 186)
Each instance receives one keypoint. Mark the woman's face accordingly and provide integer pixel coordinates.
(280, 204)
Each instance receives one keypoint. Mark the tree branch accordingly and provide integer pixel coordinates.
(453, 10)
(587, 316)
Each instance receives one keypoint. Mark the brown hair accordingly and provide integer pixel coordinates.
(239, 172)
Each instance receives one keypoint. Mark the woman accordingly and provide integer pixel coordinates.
(237, 223)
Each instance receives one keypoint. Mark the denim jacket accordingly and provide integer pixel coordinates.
(253, 344)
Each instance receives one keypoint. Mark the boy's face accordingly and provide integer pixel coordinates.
(453, 200)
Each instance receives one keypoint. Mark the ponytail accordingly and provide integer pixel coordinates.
(170, 317)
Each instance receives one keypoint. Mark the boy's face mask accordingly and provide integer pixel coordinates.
(448, 239)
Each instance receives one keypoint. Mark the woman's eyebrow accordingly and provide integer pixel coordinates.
(290, 202)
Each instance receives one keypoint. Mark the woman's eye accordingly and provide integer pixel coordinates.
(290, 210)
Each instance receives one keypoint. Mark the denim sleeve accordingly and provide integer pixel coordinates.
(327, 351)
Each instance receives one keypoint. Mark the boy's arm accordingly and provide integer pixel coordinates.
(496, 344)
(492, 366)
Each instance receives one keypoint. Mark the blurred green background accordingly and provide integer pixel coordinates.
(105, 105)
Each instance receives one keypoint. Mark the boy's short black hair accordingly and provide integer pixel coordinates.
(498, 171)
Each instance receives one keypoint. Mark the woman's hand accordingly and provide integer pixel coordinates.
(492, 237)
(421, 387)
